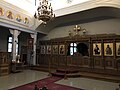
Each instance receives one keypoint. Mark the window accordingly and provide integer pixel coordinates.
(17, 49)
(10, 44)
(73, 48)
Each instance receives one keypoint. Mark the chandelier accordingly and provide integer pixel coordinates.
(44, 11)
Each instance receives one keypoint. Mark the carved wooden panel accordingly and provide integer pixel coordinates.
(62, 60)
(118, 64)
(47, 59)
(101, 60)
(73, 61)
(98, 62)
(85, 61)
(4, 69)
(69, 60)
(54, 60)
(42, 60)
(109, 62)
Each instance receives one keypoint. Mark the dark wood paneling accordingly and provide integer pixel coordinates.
(90, 63)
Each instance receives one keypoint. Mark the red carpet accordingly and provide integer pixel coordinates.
(54, 86)
(48, 82)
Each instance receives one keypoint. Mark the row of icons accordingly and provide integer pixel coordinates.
(10, 15)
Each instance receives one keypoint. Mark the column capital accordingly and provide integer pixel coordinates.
(11, 31)
(33, 35)
(14, 32)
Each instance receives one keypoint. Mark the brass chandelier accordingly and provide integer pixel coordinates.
(44, 11)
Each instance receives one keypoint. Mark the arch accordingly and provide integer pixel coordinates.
(82, 48)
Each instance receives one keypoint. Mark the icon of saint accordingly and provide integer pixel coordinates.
(62, 50)
(118, 51)
(26, 21)
(108, 50)
(48, 49)
(18, 18)
(1, 11)
(10, 15)
(96, 49)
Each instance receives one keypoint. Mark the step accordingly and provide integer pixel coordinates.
(67, 70)
(58, 74)
(72, 75)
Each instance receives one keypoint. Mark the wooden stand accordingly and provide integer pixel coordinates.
(17, 67)
(4, 69)
(4, 63)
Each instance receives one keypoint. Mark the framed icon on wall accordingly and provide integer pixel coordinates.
(42, 49)
(1, 11)
(18, 18)
(108, 49)
(26, 20)
(97, 49)
(48, 49)
(118, 48)
(10, 14)
(55, 49)
(62, 49)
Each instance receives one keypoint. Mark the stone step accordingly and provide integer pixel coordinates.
(67, 71)
(72, 75)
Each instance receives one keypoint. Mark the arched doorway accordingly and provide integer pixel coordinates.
(83, 49)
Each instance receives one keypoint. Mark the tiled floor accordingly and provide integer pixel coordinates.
(13, 80)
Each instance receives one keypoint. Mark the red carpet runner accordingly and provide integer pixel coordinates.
(48, 82)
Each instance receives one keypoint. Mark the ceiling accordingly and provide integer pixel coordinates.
(85, 16)
(29, 5)
(95, 14)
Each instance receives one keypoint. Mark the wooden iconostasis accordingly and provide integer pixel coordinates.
(95, 53)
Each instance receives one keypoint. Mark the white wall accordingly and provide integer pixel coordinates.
(98, 27)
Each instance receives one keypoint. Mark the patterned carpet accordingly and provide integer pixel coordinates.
(48, 82)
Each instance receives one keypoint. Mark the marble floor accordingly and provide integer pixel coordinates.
(17, 79)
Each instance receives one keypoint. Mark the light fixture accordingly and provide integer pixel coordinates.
(44, 11)
(76, 30)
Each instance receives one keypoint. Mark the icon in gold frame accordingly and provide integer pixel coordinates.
(48, 49)
(108, 49)
(97, 49)
(42, 49)
(118, 48)
(1, 11)
(18, 18)
(61, 49)
(10, 14)
(55, 49)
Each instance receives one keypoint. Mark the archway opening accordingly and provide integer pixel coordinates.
(82, 48)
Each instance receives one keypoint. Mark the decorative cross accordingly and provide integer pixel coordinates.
(77, 29)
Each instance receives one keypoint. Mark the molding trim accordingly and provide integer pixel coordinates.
(86, 6)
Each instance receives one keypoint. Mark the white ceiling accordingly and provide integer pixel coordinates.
(105, 9)
(29, 5)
